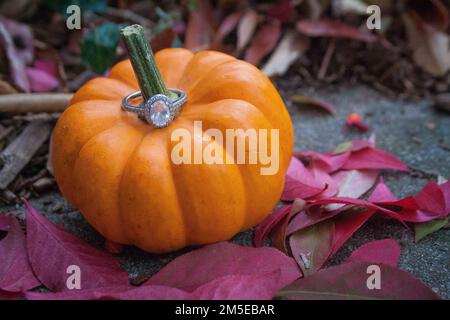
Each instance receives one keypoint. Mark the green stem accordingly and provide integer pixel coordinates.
(143, 62)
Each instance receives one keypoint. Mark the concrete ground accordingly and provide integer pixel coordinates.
(415, 132)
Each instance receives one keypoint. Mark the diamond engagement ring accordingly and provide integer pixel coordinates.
(159, 110)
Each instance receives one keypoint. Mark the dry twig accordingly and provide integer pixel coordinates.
(34, 102)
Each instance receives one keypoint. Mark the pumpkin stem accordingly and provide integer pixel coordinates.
(143, 62)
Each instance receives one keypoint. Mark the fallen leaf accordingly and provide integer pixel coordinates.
(300, 183)
(334, 29)
(290, 48)
(421, 230)
(329, 163)
(320, 173)
(264, 41)
(163, 39)
(15, 271)
(431, 200)
(16, 65)
(353, 120)
(345, 225)
(41, 81)
(230, 287)
(195, 268)
(382, 193)
(265, 228)
(353, 184)
(373, 158)
(386, 251)
(278, 234)
(430, 46)
(312, 246)
(228, 24)
(300, 99)
(201, 26)
(246, 28)
(281, 10)
(51, 250)
(348, 281)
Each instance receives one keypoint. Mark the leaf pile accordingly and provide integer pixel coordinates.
(326, 209)
(327, 206)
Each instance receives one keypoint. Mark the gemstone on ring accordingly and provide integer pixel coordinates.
(158, 111)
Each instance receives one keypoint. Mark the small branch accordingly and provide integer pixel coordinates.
(34, 102)
(19, 152)
(128, 15)
(327, 59)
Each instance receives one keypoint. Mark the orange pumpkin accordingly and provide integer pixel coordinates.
(117, 169)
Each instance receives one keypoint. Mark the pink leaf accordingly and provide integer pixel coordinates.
(329, 163)
(52, 250)
(15, 271)
(385, 251)
(193, 269)
(431, 200)
(312, 246)
(278, 234)
(347, 224)
(266, 227)
(348, 281)
(300, 183)
(263, 42)
(281, 10)
(353, 184)
(307, 218)
(445, 188)
(41, 81)
(382, 193)
(230, 287)
(332, 28)
(201, 26)
(372, 158)
(320, 174)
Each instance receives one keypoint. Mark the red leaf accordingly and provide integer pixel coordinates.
(228, 24)
(266, 227)
(348, 281)
(382, 193)
(15, 271)
(264, 42)
(300, 183)
(312, 246)
(200, 28)
(52, 250)
(193, 269)
(346, 225)
(307, 218)
(230, 287)
(385, 251)
(278, 234)
(332, 28)
(407, 208)
(372, 158)
(353, 184)
(163, 39)
(281, 10)
(320, 174)
(445, 188)
(431, 200)
(329, 163)
(354, 120)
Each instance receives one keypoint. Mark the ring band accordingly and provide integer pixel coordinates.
(158, 110)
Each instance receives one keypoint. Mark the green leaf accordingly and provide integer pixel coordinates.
(423, 229)
(85, 5)
(98, 47)
(343, 147)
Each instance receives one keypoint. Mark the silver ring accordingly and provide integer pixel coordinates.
(159, 110)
